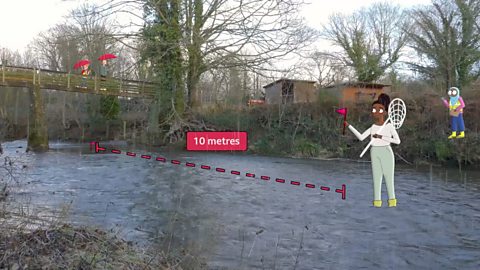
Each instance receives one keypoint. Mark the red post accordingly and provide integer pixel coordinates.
(343, 191)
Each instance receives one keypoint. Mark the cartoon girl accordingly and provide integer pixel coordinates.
(455, 106)
(85, 73)
(383, 160)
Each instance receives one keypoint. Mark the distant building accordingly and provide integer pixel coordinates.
(355, 91)
(289, 91)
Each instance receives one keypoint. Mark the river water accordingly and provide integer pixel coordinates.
(239, 222)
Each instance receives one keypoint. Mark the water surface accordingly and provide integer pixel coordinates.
(247, 223)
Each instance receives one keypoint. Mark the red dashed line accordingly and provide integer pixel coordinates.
(325, 188)
(342, 190)
(98, 148)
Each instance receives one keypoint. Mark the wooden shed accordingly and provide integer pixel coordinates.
(353, 92)
(289, 91)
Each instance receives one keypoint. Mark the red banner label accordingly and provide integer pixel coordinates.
(217, 141)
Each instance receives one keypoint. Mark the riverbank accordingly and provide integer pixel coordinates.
(34, 236)
(29, 242)
(314, 130)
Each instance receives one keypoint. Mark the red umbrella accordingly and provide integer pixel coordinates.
(81, 63)
(107, 56)
(343, 111)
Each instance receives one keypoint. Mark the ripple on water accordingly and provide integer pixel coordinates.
(435, 225)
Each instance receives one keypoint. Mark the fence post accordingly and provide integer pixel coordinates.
(39, 76)
(95, 83)
(34, 77)
(68, 80)
(124, 129)
(3, 71)
(16, 107)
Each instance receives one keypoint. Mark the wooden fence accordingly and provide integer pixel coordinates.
(12, 76)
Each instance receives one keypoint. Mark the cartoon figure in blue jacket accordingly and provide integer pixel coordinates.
(455, 106)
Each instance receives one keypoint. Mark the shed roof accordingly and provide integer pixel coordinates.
(360, 84)
(291, 80)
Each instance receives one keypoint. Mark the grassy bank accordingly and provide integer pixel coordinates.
(315, 130)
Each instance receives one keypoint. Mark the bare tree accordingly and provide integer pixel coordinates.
(446, 36)
(233, 33)
(86, 34)
(371, 39)
(11, 58)
(229, 33)
(322, 67)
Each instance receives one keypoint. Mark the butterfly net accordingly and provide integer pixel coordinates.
(397, 111)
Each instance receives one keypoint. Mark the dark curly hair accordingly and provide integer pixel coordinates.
(384, 100)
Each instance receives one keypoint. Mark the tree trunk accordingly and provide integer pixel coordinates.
(16, 106)
(107, 130)
(153, 118)
(194, 56)
(192, 86)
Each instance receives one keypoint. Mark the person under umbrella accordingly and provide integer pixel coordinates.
(85, 74)
(103, 74)
(104, 68)
(84, 63)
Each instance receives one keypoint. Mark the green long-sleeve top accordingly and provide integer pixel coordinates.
(103, 71)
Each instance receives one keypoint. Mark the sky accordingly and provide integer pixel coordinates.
(22, 20)
(317, 11)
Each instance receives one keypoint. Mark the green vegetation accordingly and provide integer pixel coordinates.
(109, 107)
(161, 41)
(315, 130)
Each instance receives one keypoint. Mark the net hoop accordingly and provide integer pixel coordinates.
(397, 111)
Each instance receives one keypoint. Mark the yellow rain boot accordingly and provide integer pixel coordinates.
(454, 135)
(392, 203)
(462, 135)
(377, 203)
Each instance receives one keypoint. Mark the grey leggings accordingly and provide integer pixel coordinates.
(383, 164)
